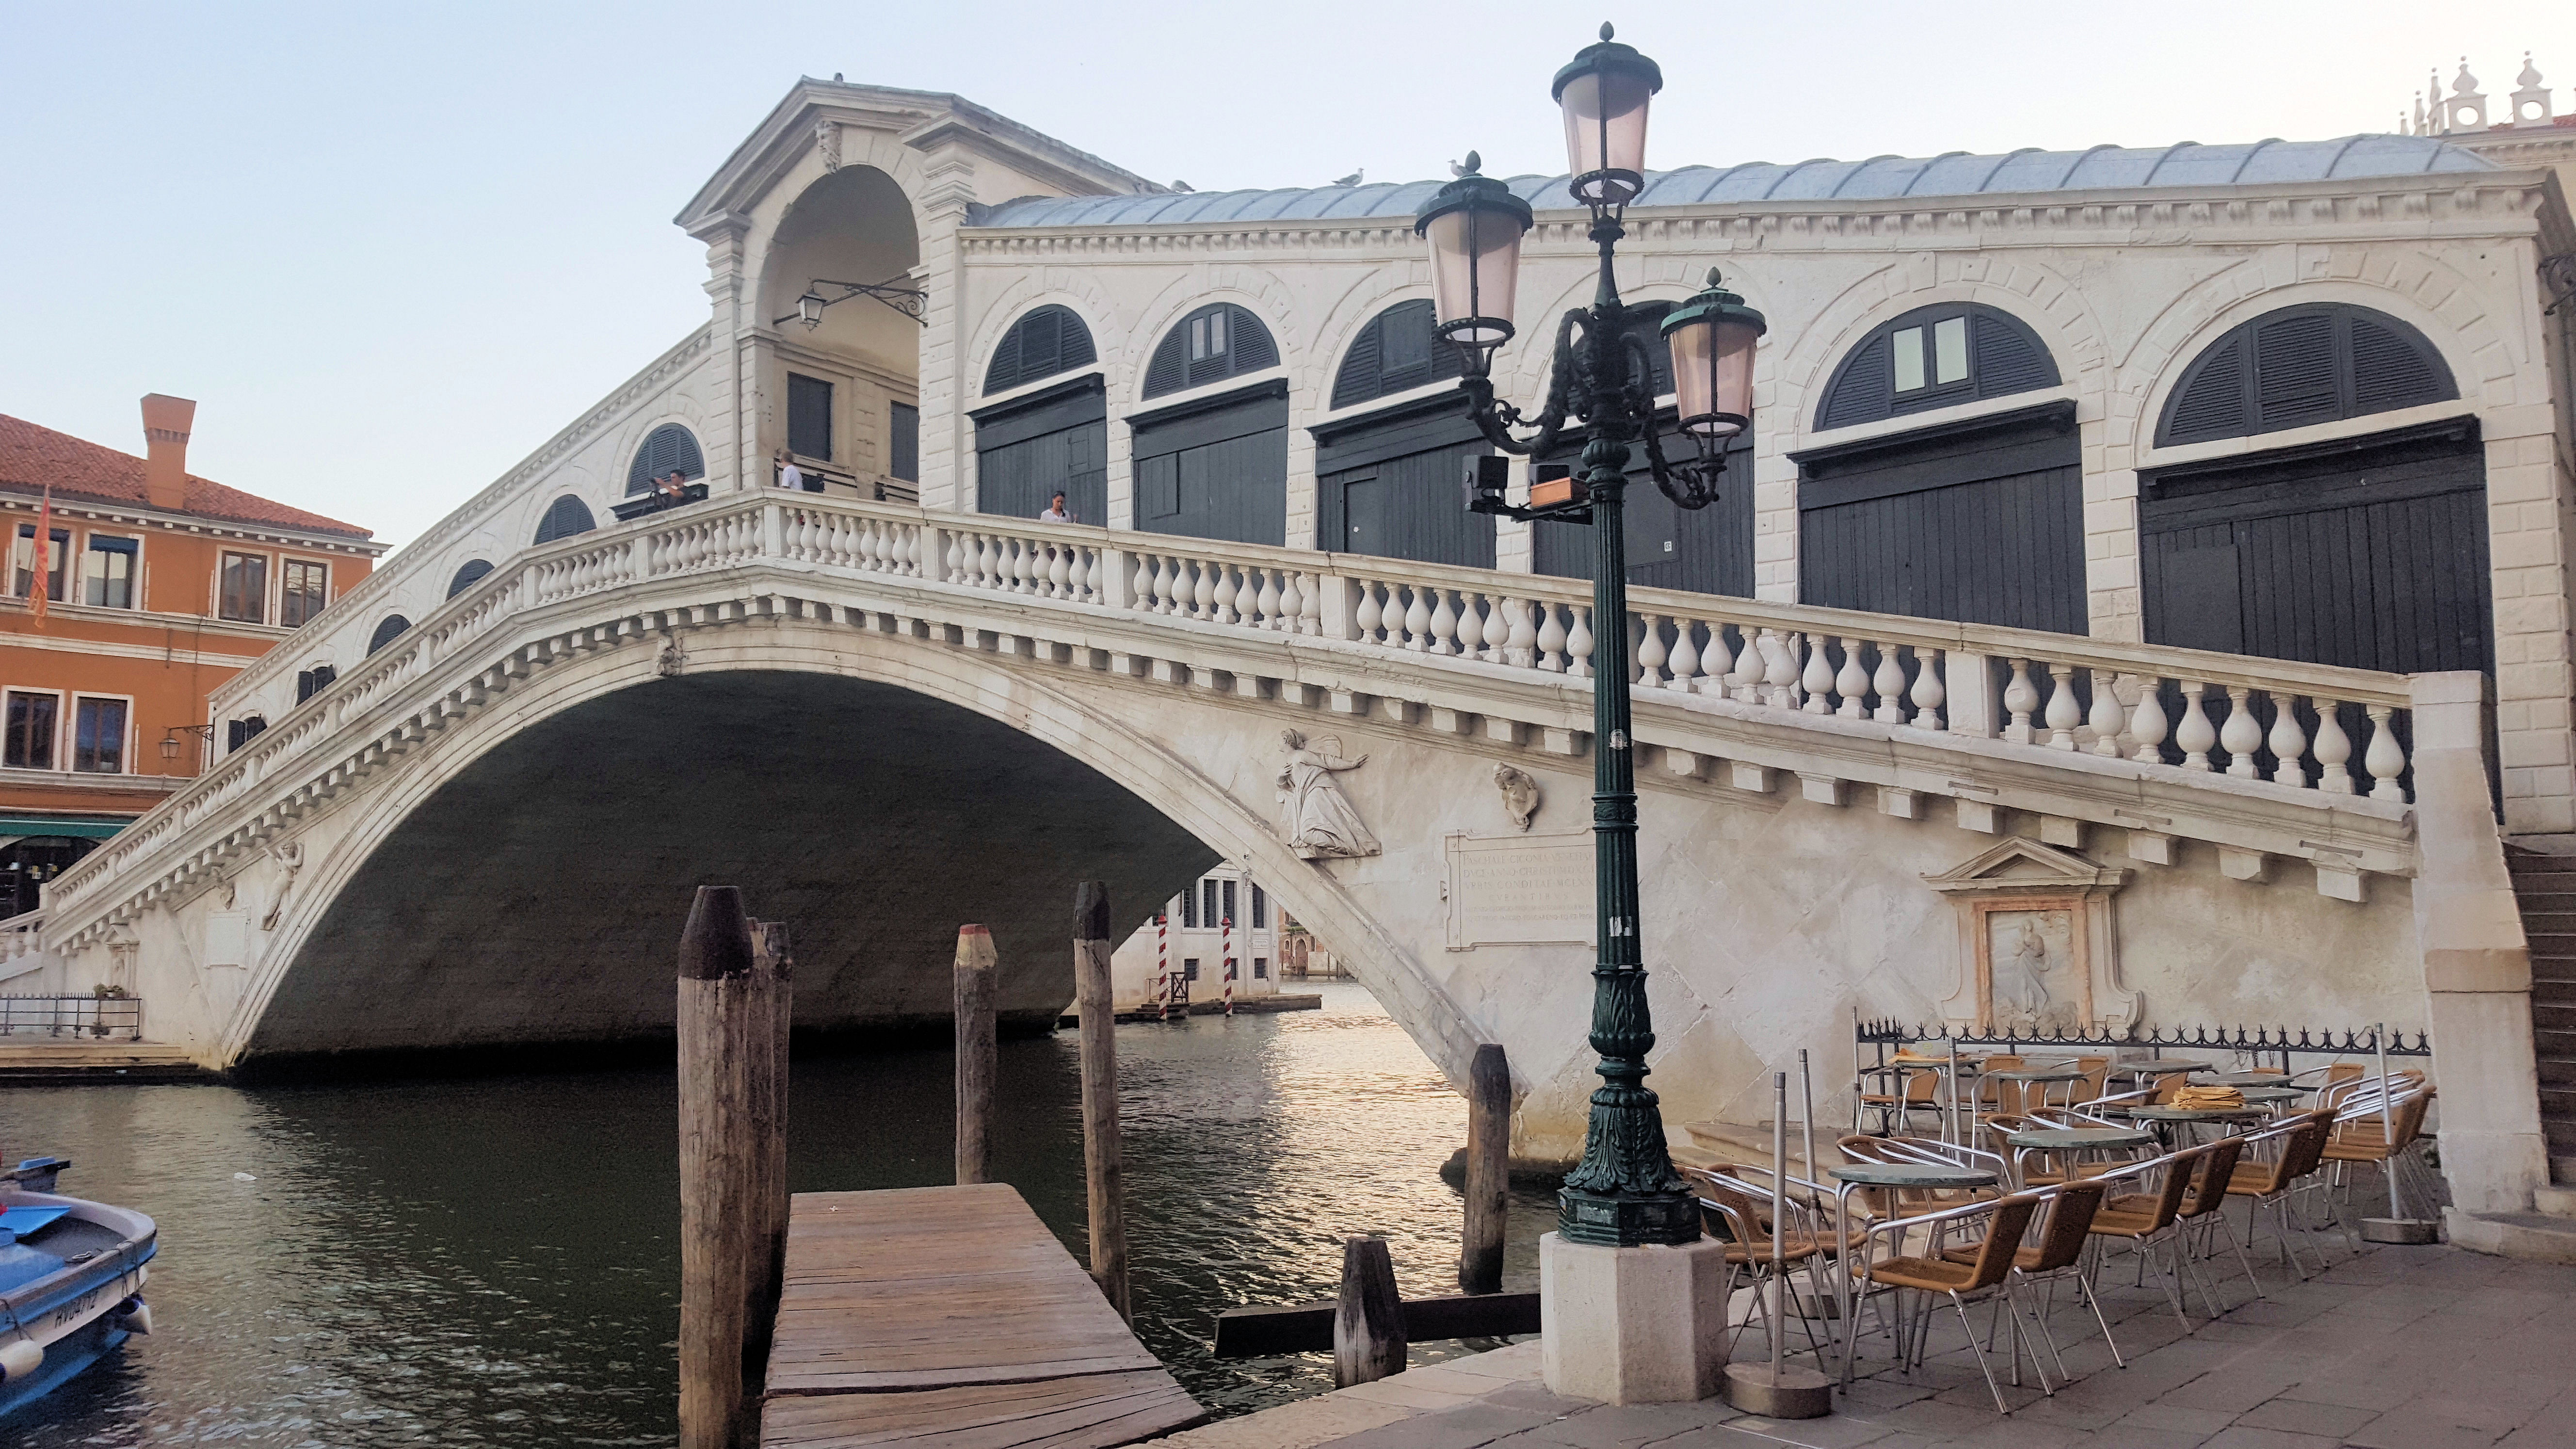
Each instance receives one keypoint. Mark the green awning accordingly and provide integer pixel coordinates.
(86, 827)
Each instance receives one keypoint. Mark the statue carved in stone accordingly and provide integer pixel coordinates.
(827, 140)
(672, 659)
(1318, 820)
(1520, 793)
(290, 859)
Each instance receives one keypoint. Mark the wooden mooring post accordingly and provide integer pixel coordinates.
(976, 1053)
(1489, 1142)
(1368, 1322)
(732, 1157)
(1102, 1168)
(773, 970)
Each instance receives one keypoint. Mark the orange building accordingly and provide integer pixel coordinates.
(159, 586)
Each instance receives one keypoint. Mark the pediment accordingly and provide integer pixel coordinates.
(2017, 863)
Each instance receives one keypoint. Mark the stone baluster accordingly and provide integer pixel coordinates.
(2241, 735)
(2288, 742)
(1928, 694)
(2062, 716)
(1417, 620)
(2106, 715)
(1310, 605)
(2334, 747)
(1752, 667)
(1550, 639)
(1223, 591)
(1267, 600)
(1028, 566)
(2195, 734)
(1443, 623)
(1169, 580)
(1888, 680)
(1140, 589)
(987, 564)
(1851, 683)
(1078, 574)
(1650, 651)
(871, 541)
(2385, 760)
(1202, 597)
(2147, 724)
(2020, 698)
(1371, 616)
(1060, 566)
(1717, 661)
(1578, 642)
(1520, 636)
(1818, 680)
(1780, 679)
(1682, 669)
(1501, 612)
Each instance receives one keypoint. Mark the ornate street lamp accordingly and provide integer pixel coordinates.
(1625, 1193)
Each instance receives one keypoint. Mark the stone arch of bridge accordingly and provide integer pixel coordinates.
(521, 878)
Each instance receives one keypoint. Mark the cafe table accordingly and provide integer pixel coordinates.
(2072, 1141)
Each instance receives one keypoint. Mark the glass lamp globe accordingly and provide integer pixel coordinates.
(1712, 337)
(1474, 226)
(1604, 92)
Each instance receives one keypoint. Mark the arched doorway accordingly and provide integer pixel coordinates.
(842, 379)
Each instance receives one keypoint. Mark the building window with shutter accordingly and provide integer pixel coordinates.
(809, 417)
(1049, 340)
(667, 449)
(2300, 366)
(1935, 357)
(465, 577)
(241, 588)
(1260, 909)
(22, 573)
(1229, 902)
(304, 587)
(1208, 912)
(1190, 968)
(98, 736)
(903, 442)
(107, 572)
(565, 517)
(313, 681)
(240, 732)
(31, 721)
(1218, 341)
(1260, 968)
(388, 629)
(1190, 909)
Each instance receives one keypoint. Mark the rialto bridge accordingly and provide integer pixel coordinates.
(882, 722)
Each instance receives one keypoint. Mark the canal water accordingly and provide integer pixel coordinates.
(495, 1261)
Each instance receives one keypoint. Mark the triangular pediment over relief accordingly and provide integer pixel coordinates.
(2017, 863)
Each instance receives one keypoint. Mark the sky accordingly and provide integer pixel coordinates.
(392, 249)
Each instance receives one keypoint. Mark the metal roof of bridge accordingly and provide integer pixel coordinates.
(1881, 178)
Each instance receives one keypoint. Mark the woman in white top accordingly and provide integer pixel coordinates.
(1055, 512)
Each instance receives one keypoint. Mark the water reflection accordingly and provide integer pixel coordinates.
(495, 1262)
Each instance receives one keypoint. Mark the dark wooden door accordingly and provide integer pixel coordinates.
(2371, 554)
(1028, 449)
(1216, 468)
(1706, 550)
(1982, 523)
(1391, 483)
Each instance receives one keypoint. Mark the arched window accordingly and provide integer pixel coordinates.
(387, 631)
(1218, 341)
(1935, 357)
(2318, 363)
(1395, 351)
(565, 517)
(1047, 341)
(665, 448)
(465, 577)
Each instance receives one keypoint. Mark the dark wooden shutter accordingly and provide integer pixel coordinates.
(809, 417)
(1362, 375)
(1865, 389)
(903, 441)
(565, 517)
(1168, 371)
(1004, 372)
(1247, 342)
(303, 685)
(465, 577)
(2294, 372)
(2211, 401)
(667, 447)
(2008, 358)
(2390, 371)
(1047, 341)
(323, 674)
(390, 629)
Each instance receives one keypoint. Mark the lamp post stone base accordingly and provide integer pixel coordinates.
(1632, 1325)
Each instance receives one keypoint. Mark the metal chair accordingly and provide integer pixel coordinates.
(2059, 1254)
(1749, 1230)
(2276, 1183)
(1990, 1272)
(2145, 1220)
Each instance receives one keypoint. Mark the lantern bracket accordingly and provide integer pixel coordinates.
(912, 302)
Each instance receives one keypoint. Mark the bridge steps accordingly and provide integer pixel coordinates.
(2544, 887)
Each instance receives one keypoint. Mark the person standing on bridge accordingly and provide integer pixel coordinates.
(1055, 512)
(789, 475)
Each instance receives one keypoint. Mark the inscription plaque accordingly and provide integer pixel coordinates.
(1520, 890)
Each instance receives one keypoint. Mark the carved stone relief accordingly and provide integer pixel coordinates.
(1520, 793)
(2038, 943)
(1315, 818)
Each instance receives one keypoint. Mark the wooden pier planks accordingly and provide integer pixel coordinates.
(950, 1318)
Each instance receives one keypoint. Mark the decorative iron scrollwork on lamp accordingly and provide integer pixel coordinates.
(910, 301)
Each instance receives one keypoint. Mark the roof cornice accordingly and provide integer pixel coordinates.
(2498, 202)
(21, 498)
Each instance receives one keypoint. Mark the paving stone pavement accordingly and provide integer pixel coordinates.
(2390, 1348)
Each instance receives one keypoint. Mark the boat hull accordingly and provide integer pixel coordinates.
(77, 1311)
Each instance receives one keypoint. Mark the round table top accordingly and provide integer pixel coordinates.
(2063, 1137)
(2161, 1068)
(2041, 1074)
(2272, 1094)
(1912, 1174)
(2252, 1079)
(1905, 1059)
(2197, 1114)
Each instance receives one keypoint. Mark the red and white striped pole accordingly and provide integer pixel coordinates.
(1163, 965)
(1229, 965)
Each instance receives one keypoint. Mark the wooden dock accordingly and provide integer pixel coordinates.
(950, 1318)
(70, 1059)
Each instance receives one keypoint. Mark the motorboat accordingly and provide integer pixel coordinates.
(71, 1281)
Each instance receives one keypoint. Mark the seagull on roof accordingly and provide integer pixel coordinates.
(1353, 179)
(1183, 186)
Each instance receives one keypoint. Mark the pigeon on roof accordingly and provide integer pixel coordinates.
(1353, 179)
